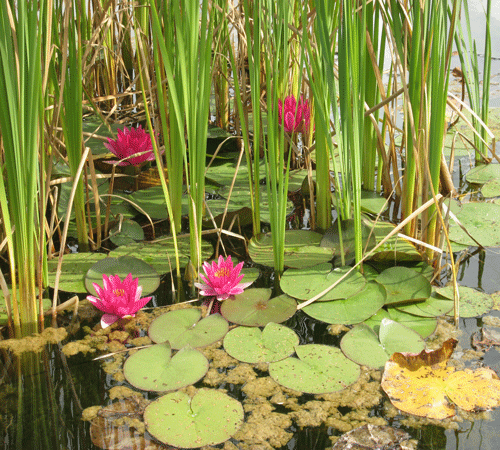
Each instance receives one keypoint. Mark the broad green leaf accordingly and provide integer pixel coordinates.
(404, 285)
(481, 220)
(129, 231)
(473, 303)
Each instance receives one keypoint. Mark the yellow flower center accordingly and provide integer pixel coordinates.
(119, 292)
(224, 272)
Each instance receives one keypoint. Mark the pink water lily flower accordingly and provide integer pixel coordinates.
(294, 116)
(222, 280)
(118, 299)
(133, 141)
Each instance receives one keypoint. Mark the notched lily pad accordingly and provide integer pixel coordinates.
(125, 233)
(366, 347)
(404, 285)
(352, 310)
(255, 308)
(308, 282)
(184, 327)
(249, 344)
(153, 368)
(319, 369)
(122, 266)
(209, 418)
(472, 303)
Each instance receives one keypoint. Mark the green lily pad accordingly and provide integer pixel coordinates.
(301, 249)
(472, 303)
(249, 344)
(183, 327)
(256, 308)
(209, 418)
(153, 368)
(363, 346)
(491, 189)
(424, 326)
(74, 268)
(481, 220)
(126, 233)
(319, 369)
(152, 201)
(308, 282)
(396, 249)
(404, 285)
(122, 266)
(483, 173)
(434, 306)
(352, 310)
(160, 254)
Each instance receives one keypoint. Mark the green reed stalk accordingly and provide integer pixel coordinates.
(189, 92)
(321, 51)
(21, 128)
(72, 117)
(275, 38)
(479, 99)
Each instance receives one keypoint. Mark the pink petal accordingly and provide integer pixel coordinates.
(108, 319)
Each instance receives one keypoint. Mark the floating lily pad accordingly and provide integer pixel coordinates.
(301, 249)
(434, 306)
(255, 308)
(472, 303)
(424, 326)
(319, 369)
(74, 268)
(183, 327)
(152, 202)
(491, 189)
(129, 231)
(481, 220)
(483, 173)
(404, 285)
(153, 368)
(352, 310)
(122, 266)
(249, 344)
(363, 346)
(308, 282)
(209, 418)
(160, 254)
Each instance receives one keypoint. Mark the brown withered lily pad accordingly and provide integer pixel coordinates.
(423, 385)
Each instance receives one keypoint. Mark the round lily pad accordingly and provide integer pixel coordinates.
(491, 189)
(483, 173)
(481, 220)
(209, 418)
(73, 270)
(152, 201)
(153, 369)
(404, 285)
(424, 326)
(319, 369)
(301, 249)
(363, 346)
(255, 308)
(249, 344)
(308, 282)
(434, 306)
(122, 266)
(355, 309)
(160, 254)
(472, 303)
(129, 231)
(184, 327)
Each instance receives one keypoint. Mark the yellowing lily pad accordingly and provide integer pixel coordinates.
(308, 282)
(153, 368)
(423, 385)
(183, 327)
(255, 308)
(319, 369)
(249, 344)
(208, 418)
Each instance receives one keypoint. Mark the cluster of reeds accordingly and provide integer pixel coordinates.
(357, 63)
